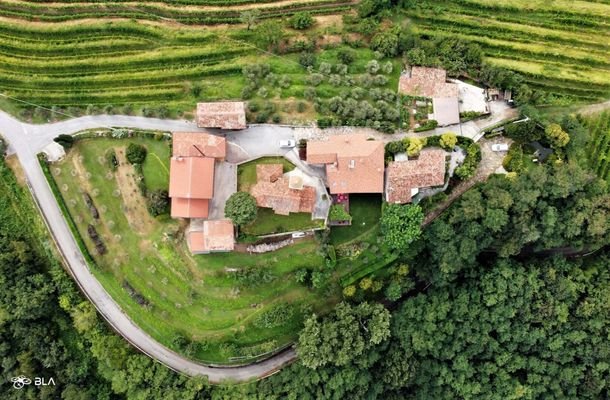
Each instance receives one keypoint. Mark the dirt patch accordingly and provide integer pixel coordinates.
(595, 108)
(134, 204)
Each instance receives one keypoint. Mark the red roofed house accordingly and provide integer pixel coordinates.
(222, 114)
(405, 178)
(191, 181)
(354, 164)
(215, 236)
(283, 195)
(191, 187)
(432, 82)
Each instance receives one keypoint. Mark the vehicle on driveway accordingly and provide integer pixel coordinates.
(499, 147)
(287, 144)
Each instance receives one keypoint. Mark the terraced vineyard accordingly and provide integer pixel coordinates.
(560, 46)
(599, 145)
(140, 54)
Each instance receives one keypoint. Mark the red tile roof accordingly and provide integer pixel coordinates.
(190, 208)
(427, 82)
(273, 191)
(191, 177)
(217, 235)
(354, 164)
(198, 144)
(425, 171)
(269, 172)
(223, 114)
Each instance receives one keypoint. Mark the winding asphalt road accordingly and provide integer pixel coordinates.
(26, 141)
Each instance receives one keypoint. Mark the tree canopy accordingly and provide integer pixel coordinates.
(344, 335)
(241, 208)
(401, 225)
(557, 208)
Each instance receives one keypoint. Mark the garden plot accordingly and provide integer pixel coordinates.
(216, 308)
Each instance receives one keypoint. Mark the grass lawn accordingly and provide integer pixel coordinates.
(268, 222)
(365, 210)
(206, 298)
(246, 173)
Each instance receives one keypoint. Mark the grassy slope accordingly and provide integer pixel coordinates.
(192, 296)
(365, 211)
(560, 46)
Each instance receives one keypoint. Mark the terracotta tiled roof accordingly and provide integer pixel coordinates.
(223, 114)
(427, 82)
(185, 144)
(273, 191)
(269, 172)
(217, 235)
(446, 110)
(191, 177)
(353, 163)
(189, 208)
(425, 171)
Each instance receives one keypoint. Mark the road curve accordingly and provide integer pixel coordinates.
(26, 140)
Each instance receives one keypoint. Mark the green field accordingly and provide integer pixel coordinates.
(559, 46)
(212, 301)
(365, 211)
(154, 59)
(599, 144)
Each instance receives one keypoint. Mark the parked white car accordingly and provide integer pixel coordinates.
(296, 235)
(499, 147)
(287, 144)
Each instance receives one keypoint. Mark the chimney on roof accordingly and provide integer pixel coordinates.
(352, 163)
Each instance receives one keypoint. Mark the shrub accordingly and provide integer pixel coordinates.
(301, 20)
(276, 316)
(307, 59)
(401, 225)
(252, 276)
(365, 283)
(158, 202)
(394, 291)
(448, 140)
(386, 42)
(66, 141)
(415, 145)
(136, 154)
(372, 67)
(556, 136)
(301, 107)
(315, 79)
(276, 118)
(387, 67)
(111, 159)
(325, 68)
(338, 213)
(346, 56)
(241, 208)
(349, 291)
(428, 125)
(309, 93)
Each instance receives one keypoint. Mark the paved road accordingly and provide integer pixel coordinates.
(26, 141)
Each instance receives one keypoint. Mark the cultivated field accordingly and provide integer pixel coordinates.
(151, 58)
(217, 308)
(599, 143)
(560, 46)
